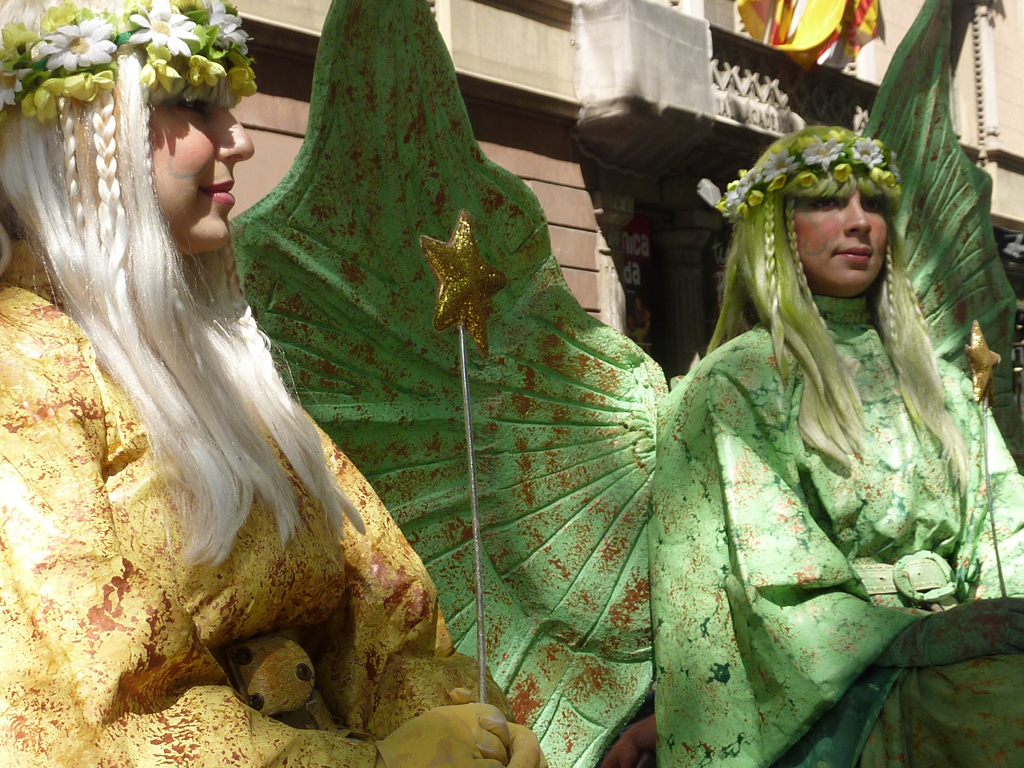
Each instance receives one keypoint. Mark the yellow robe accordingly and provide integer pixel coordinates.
(108, 642)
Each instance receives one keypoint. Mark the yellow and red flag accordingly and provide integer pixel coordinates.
(812, 31)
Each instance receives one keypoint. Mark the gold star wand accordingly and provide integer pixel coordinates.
(982, 361)
(465, 285)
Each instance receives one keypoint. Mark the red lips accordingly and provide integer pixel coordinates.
(221, 193)
(855, 250)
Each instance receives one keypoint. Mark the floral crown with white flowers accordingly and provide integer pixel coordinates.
(192, 43)
(807, 162)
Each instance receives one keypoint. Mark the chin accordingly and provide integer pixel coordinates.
(194, 243)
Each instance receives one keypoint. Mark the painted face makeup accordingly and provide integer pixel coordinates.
(195, 149)
(841, 243)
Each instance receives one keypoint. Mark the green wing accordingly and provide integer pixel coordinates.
(946, 209)
(564, 406)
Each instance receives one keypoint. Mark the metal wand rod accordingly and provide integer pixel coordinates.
(988, 495)
(481, 638)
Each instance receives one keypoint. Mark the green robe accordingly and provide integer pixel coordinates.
(760, 623)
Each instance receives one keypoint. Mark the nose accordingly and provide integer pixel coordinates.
(232, 140)
(856, 220)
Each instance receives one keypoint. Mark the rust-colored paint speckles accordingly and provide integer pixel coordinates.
(113, 638)
(564, 407)
(760, 620)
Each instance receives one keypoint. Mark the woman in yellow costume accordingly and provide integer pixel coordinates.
(823, 579)
(192, 574)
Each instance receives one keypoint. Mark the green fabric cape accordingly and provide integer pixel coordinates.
(761, 624)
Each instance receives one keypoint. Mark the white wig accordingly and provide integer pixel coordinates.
(173, 331)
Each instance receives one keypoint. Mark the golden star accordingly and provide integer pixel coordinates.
(465, 282)
(982, 360)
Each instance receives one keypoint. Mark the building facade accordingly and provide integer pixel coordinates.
(626, 116)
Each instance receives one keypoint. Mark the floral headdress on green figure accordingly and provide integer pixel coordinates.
(765, 283)
(806, 162)
(73, 54)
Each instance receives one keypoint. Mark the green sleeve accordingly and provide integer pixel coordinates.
(975, 558)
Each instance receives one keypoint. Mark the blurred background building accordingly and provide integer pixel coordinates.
(623, 116)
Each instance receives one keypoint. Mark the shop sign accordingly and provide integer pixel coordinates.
(638, 279)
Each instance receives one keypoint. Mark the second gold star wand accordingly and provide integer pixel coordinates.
(982, 360)
(465, 285)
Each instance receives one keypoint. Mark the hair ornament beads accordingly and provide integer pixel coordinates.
(841, 154)
(190, 43)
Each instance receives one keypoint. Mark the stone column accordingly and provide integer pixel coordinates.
(986, 114)
(683, 288)
(613, 211)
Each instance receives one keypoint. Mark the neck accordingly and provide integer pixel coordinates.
(849, 311)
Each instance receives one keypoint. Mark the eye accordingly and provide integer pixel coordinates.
(873, 204)
(825, 204)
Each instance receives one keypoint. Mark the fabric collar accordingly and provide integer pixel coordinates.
(844, 311)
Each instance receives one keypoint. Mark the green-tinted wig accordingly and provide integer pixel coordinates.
(765, 283)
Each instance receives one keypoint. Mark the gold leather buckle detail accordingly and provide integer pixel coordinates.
(923, 578)
(877, 577)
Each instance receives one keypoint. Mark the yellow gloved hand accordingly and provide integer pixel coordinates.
(464, 736)
(524, 748)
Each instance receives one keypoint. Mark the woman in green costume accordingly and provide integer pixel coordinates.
(820, 501)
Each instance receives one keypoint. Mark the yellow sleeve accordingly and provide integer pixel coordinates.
(99, 662)
(389, 657)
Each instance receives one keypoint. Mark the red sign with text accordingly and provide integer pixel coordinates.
(638, 279)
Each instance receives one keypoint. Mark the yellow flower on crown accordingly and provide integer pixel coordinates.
(158, 70)
(806, 178)
(241, 77)
(17, 34)
(42, 102)
(202, 71)
(59, 16)
(85, 86)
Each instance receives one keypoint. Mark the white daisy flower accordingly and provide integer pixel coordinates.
(229, 26)
(78, 45)
(164, 28)
(823, 153)
(749, 180)
(867, 152)
(732, 199)
(237, 36)
(10, 85)
(778, 164)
